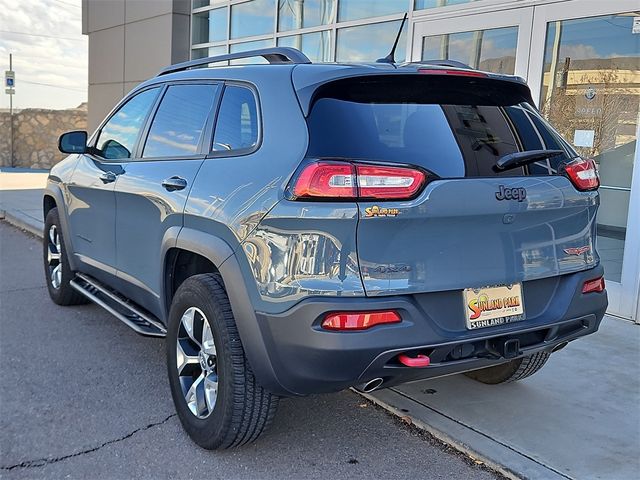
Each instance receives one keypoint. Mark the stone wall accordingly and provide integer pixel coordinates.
(35, 135)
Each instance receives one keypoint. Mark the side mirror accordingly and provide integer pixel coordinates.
(73, 142)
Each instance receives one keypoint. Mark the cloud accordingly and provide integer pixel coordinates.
(39, 58)
(578, 51)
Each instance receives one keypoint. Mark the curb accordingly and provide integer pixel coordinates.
(19, 222)
(443, 437)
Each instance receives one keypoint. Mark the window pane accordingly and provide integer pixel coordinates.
(178, 125)
(591, 94)
(491, 50)
(245, 46)
(370, 42)
(207, 52)
(252, 18)
(118, 137)
(206, 3)
(316, 46)
(237, 124)
(354, 9)
(210, 26)
(294, 14)
(420, 4)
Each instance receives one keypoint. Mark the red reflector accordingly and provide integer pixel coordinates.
(388, 182)
(359, 320)
(459, 73)
(326, 179)
(583, 174)
(595, 285)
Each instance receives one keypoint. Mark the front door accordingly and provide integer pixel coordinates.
(581, 59)
(586, 77)
(490, 42)
(92, 206)
(153, 189)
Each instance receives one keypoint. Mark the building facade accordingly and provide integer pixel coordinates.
(129, 41)
(581, 59)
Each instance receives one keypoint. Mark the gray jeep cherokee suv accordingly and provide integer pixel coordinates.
(298, 228)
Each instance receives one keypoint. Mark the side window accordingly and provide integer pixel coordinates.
(118, 136)
(237, 123)
(179, 123)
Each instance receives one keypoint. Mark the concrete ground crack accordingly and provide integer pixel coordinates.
(41, 462)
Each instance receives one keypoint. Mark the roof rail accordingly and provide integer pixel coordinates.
(446, 63)
(272, 55)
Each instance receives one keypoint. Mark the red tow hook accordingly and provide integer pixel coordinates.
(419, 361)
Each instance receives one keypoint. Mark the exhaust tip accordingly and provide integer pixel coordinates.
(560, 346)
(371, 385)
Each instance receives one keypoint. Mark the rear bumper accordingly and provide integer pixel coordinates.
(306, 359)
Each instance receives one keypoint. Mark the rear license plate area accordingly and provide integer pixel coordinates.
(490, 306)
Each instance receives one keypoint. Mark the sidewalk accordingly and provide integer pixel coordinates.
(21, 197)
(578, 418)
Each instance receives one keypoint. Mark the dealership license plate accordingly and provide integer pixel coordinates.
(490, 306)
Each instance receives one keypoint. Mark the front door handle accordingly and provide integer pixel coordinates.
(174, 183)
(108, 177)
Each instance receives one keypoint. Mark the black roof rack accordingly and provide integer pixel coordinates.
(271, 55)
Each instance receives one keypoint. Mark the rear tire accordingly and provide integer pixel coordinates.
(57, 271)
(511, 371)
(214, 390)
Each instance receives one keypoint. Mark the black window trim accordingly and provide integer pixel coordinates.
(205, 139)
(241, 151)
(96, 135)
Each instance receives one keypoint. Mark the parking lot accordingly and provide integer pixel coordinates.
(82, 396)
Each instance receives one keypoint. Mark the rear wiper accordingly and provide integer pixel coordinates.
(519, 159)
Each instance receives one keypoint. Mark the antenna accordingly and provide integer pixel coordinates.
(391, 57)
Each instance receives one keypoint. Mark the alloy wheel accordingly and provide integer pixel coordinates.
(197, 362)
(54, 257)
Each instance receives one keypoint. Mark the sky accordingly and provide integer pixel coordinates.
(49, 53)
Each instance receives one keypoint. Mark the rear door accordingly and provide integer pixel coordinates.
(152, 191)
(470, 226)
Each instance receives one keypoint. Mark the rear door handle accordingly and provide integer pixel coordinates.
(108, 177)
(174, 183)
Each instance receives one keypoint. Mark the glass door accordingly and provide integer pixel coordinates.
(586, 77)
(495, 42)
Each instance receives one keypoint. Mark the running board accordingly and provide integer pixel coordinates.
(123, 309)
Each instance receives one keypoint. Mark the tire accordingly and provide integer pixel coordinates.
(57, 271)
(226, 407)
(511, 371)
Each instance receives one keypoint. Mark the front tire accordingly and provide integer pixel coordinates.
(214, 390)
(57, 271)
(512, 371)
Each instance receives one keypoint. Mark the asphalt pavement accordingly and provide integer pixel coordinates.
(83, 396)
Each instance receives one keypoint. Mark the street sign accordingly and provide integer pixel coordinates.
(9, 79)
(10, 91)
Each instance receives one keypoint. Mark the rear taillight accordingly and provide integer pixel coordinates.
(326, 180)
(593, 286)
(583, 174)
(344, 180)
(359, 320)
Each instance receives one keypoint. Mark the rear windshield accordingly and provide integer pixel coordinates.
(453, 129)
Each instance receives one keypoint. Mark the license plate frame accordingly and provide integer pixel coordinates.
(493, 305)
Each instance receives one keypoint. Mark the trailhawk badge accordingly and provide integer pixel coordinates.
(577, 250)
